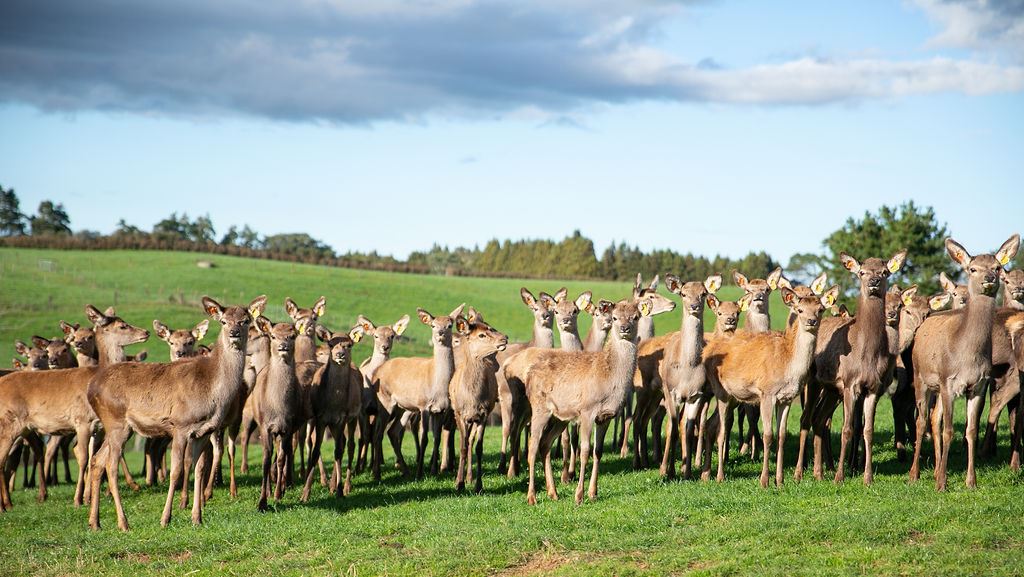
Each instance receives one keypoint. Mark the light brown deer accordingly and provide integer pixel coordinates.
(182, 342)
(196, 396)
(853, 362)
(958, 293)
(951, 372)
(587, 387)
(417, 385)
(305, 343)
(83, 341)
(473, 390)
(599, 327)
(566, 317)
(306, 366)
(512, 401)
(37, 357)
(276, 405)
(337, 401)
(659, 304)
(767, 369)
(383, 340)
(54, 402)
(58, 356)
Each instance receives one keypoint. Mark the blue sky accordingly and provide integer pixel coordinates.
(715, 127)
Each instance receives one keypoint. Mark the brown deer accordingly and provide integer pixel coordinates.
(473, 390)
(83, 341)
(566, 316)
(58, 356)
(276, 404)
(951, 372)
(587, 387)
(182, 342)
(417, 385)
(682, 373)
(767, 369)
(852, 362)
(659, 304)
(38, 359)
(599, 327)
(337, 401)
(54, 402)
(512, 401)
(305, 343)
(196, 396)
(958, 293)
(306, 366)
(383, 340)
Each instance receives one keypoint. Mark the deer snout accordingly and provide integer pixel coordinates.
(812, 323)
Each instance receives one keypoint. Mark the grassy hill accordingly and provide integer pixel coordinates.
(41, 287)
(639, 526)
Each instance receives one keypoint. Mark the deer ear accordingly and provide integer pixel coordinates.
(290, 307)
(257, 306)
(110, 312)
(40, 342)
(67, 329)
(773, 278)
(400, 326)
(907, 296)
(21, 348)
(947, 285)
(583, 300)
(672, 283)
(263, 324)
(200, 331)
(785, 283)
(638, 285)
(744, 303)
(788, 296)
(323, 334)
(17, 364)
(831, 296)
(300, 325)
(425, 317)
(320, 307)
(461, 325)
(713, 302)
(645, 307)
(546, 299)
(939, 301)
(842, 312)
(561, 294)
(740, 279)
(472, 315)
(356, 334)
(713, 283)
(591, 308)
(654, 284)
(366, 323)
(528, 298)
(96, 317)
(849, 263)
(896, 262)
(212, 308)
(1009, 250)
(605, 306)
(457, 311)
(161, 330)
(958, 253)
(818, 285)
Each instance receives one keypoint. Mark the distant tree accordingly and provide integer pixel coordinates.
(125, 229)
(172, 227)
(804, 267)
(12, 221)
(249, 238)
(881, 235)
(52, 219)
(299, 244)
(200, 230)
(230, 238)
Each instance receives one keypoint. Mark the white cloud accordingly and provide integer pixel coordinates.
(985, 25)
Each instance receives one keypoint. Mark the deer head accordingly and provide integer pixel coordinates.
(311, 314)
(957, 293)
(480, 338)
(727, 313)
(567, 311)
(808, 309)
(659, 304)
(985, 270)
(37, 357)
(693, 293)
(440, 327)
(873, 273)
(82, 339)
(383, 336)
(1013, 284)
(112, 330)
(542, 308)
(757, 288)
(182, 342)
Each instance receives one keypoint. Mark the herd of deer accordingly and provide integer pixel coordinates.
(274, 378)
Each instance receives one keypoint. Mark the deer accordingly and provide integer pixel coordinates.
(276, 405)
(767, 369)
(951, 372)
(512, 399)
(958, 293)
(54, 402)
(566, 315)
(417, 385)
(727, 315)
(600, 326)
(473, 391)
(38, 358)
(305, 367)
(337, 396)
(383, 340)
(682, 373)
(852, 362)
(58, 356)
(645, 331)
(587, 387)
(83, 341)
(196, 396)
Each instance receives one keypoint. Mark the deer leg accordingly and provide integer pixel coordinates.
(553, 431)
(471, 429)
(668, 460)
(314, 456)
(346, 487)
(460, 475)
(81, 450)
(657, 421)
(49, 459)
(947, 438)
(767, 422)
(849, 415)
(232, 484)
(447, 441)
(710, 428)
(602, 430)
(627, 424)
(246, 429)
(7, 438)
(114, 445)
(721, 409)
(822, 413)
(478, 484)
(1017, 429)
(268, 455)
(639, 433)
(974, 403)
(566, 445)
(377, 444)
(199, 447)
(215, 449)
(585, 426)
(936, 416)
(537, 426)
(808, 399)
(39, 451)
(506, 428)
(779, 463)
(870, 405)
(395, 437)
(65, 449)
(436, 421)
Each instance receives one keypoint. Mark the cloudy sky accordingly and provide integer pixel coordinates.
(715, 126)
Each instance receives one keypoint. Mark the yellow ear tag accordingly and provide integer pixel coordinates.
(356, 336)
(300, 326)
(645, 308)
(1005, 259)
(743, 305)
(254, 311)
(908, 300)
(894, 265)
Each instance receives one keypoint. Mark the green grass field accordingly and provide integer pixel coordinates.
(639, 525)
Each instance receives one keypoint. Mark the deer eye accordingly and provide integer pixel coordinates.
(973, 269)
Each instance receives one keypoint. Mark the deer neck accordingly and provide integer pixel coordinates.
(230, 367)
(543, 337)
(571, 339)
(305, 348)
(595, 338)
(109, 354)
(868, 332)
(85, 360)
(621, 354)
(691, 339)
(758, 320)
(975, 332)
(801, 344)
(443, 367)
(376, 360)
(645, 328)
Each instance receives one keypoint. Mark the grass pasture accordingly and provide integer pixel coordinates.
(639, 525)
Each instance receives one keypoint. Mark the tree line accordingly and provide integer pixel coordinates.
(881, 234)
